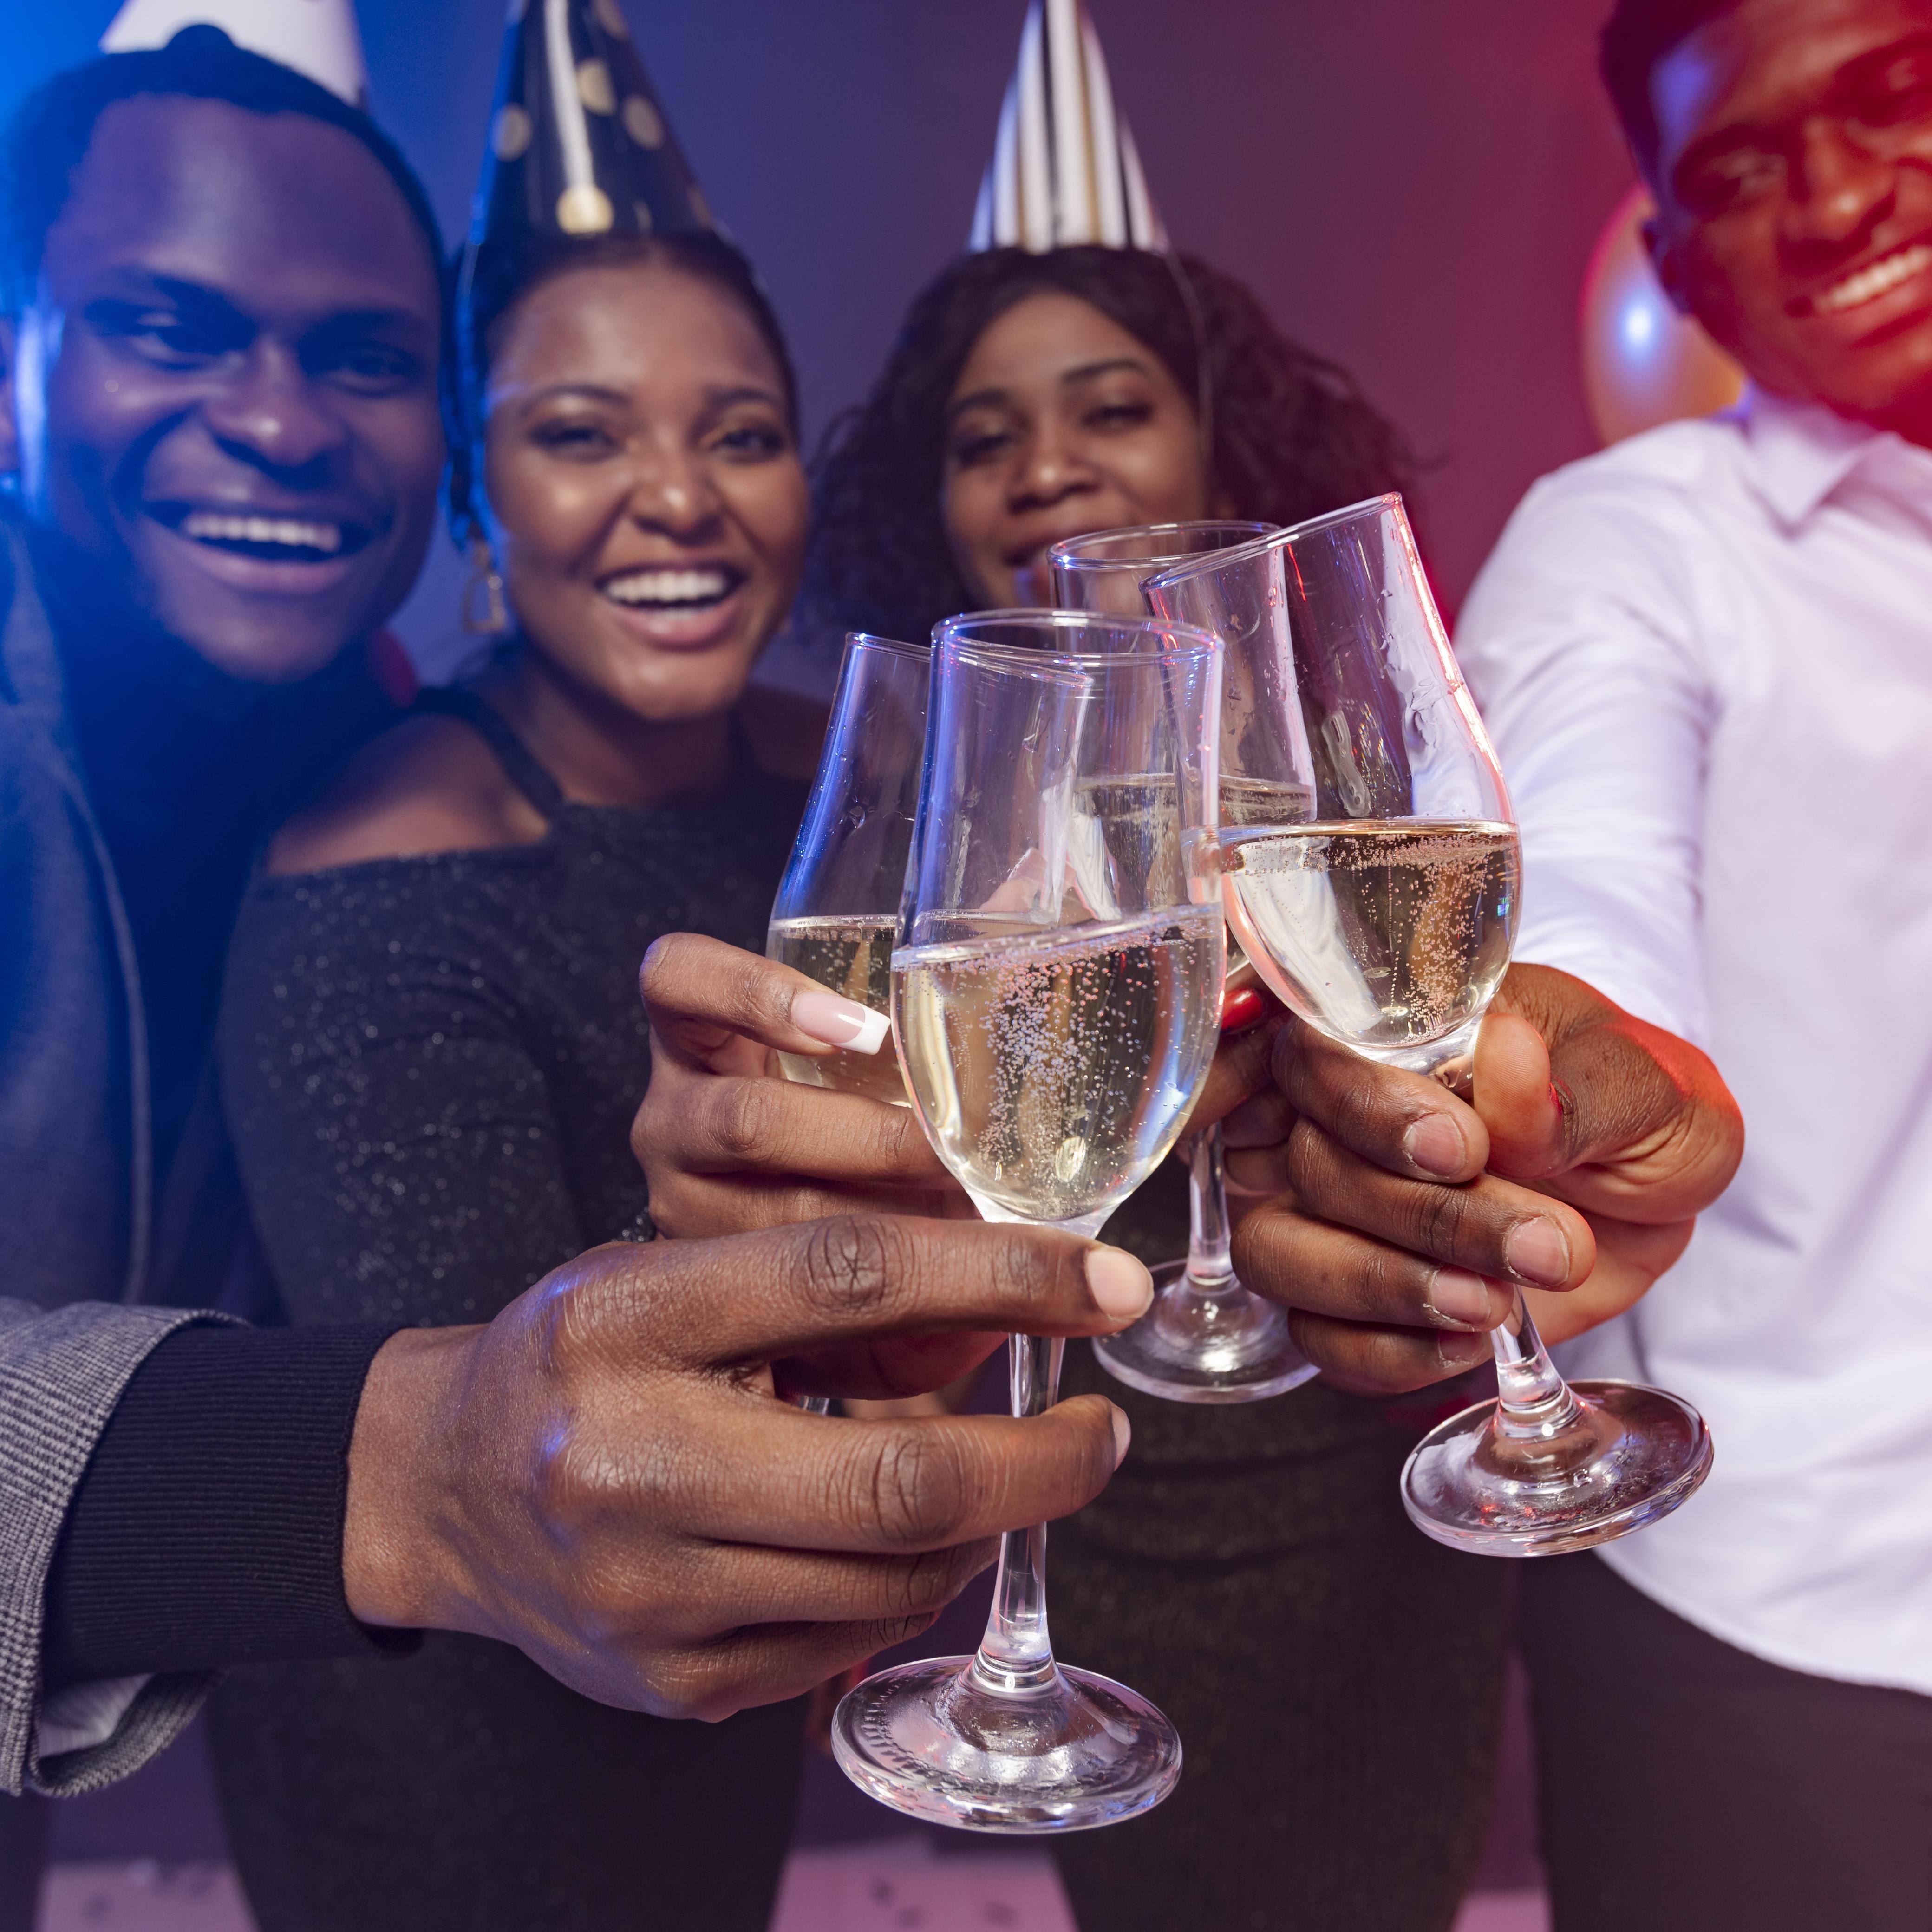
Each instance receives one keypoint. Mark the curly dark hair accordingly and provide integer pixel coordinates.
(1292, 434)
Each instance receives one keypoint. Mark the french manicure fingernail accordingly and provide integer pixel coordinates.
(1458, 1299)
(1462, 1351)
(1537, 1252)
(1123, 1434)
(1434, 1144)
(1119, 1283)
(840, 1022)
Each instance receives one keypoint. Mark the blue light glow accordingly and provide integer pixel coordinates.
(1639, 327)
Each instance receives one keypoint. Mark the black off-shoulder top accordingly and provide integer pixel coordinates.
(430, 1064)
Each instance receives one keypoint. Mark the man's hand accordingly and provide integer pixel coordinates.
(606, 1477)
(726, 1145)
(1405, 1217)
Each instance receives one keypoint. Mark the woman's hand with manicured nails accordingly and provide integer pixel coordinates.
(726, 1145)
(607, 1475)
(1402, 1217)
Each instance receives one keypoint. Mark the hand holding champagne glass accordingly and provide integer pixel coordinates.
(1386, 921)
(837, 907)
(1056, 998)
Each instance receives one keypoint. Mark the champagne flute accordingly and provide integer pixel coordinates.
(1386, 922)
(1056, 996)
(837, 907)
(1206, 1339)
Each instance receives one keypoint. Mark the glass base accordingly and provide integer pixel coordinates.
(1231, 1346)
(929, 1740)
(1449, 1060)
(1630, 1455)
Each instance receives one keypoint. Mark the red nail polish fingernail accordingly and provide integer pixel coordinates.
(1240, 1009)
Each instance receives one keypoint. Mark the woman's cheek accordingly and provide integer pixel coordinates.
(774, 505)
(972, 518)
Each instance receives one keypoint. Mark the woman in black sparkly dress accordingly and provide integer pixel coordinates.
(432, 1045)
(1336, 1677)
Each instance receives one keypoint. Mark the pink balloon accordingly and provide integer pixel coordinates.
(1643, 363)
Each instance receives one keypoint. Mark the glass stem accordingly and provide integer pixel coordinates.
(1532, 1400)
(1210, 1266)
(1016, 1655)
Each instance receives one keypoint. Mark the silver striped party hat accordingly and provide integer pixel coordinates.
(1064, 172)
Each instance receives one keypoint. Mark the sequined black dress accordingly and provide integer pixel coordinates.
(430, 1066)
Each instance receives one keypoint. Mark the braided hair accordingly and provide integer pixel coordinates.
(1291, 435)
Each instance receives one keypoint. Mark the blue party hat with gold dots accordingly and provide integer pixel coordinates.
(579, 146)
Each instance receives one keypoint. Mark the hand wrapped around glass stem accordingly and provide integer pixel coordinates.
(1384, 917)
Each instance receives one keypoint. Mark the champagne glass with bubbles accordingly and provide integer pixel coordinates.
(837, 905)
(836, 913)
(1206, 1339)
(1056, 996)
(1385, 920)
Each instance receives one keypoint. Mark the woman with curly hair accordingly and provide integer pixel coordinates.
(1176, 397)
(1335, 1676)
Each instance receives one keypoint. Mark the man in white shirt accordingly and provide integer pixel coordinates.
(1706, 657)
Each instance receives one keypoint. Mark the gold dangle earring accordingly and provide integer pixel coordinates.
(484, 581)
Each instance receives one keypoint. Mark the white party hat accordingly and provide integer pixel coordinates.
(316, 38)
(1064, 172)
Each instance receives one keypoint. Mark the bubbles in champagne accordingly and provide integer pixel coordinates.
(1385, 933)
(1252, 801)
(1054, 1073)
(853, 956)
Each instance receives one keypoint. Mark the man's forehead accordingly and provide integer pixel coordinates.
(1764, 60)
(271, 209)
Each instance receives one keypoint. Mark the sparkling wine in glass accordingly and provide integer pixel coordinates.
(1056, 996)
(1206, 1339)
(1385, 920)
(836, 915)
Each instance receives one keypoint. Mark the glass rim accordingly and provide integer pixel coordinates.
(1187, 642)
(1066, 554)
(871, 640)
(1284, 538)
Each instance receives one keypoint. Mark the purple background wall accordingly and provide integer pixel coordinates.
(1412, 185)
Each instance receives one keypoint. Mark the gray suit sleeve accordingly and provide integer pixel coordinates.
(62, 1372)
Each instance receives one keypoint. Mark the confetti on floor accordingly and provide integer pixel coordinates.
(141, 1896)
(885, 1888)
(894, 1889)
(1504, 1911)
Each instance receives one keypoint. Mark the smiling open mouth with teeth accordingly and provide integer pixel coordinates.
(1867, 284)
(673, 588)
(272, 539)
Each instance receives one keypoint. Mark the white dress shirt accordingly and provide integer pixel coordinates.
(1706, 657)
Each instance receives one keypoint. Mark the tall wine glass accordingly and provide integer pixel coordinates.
(1206, 1339)
(837, 907)
(1056, 995)
(1387, 923)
